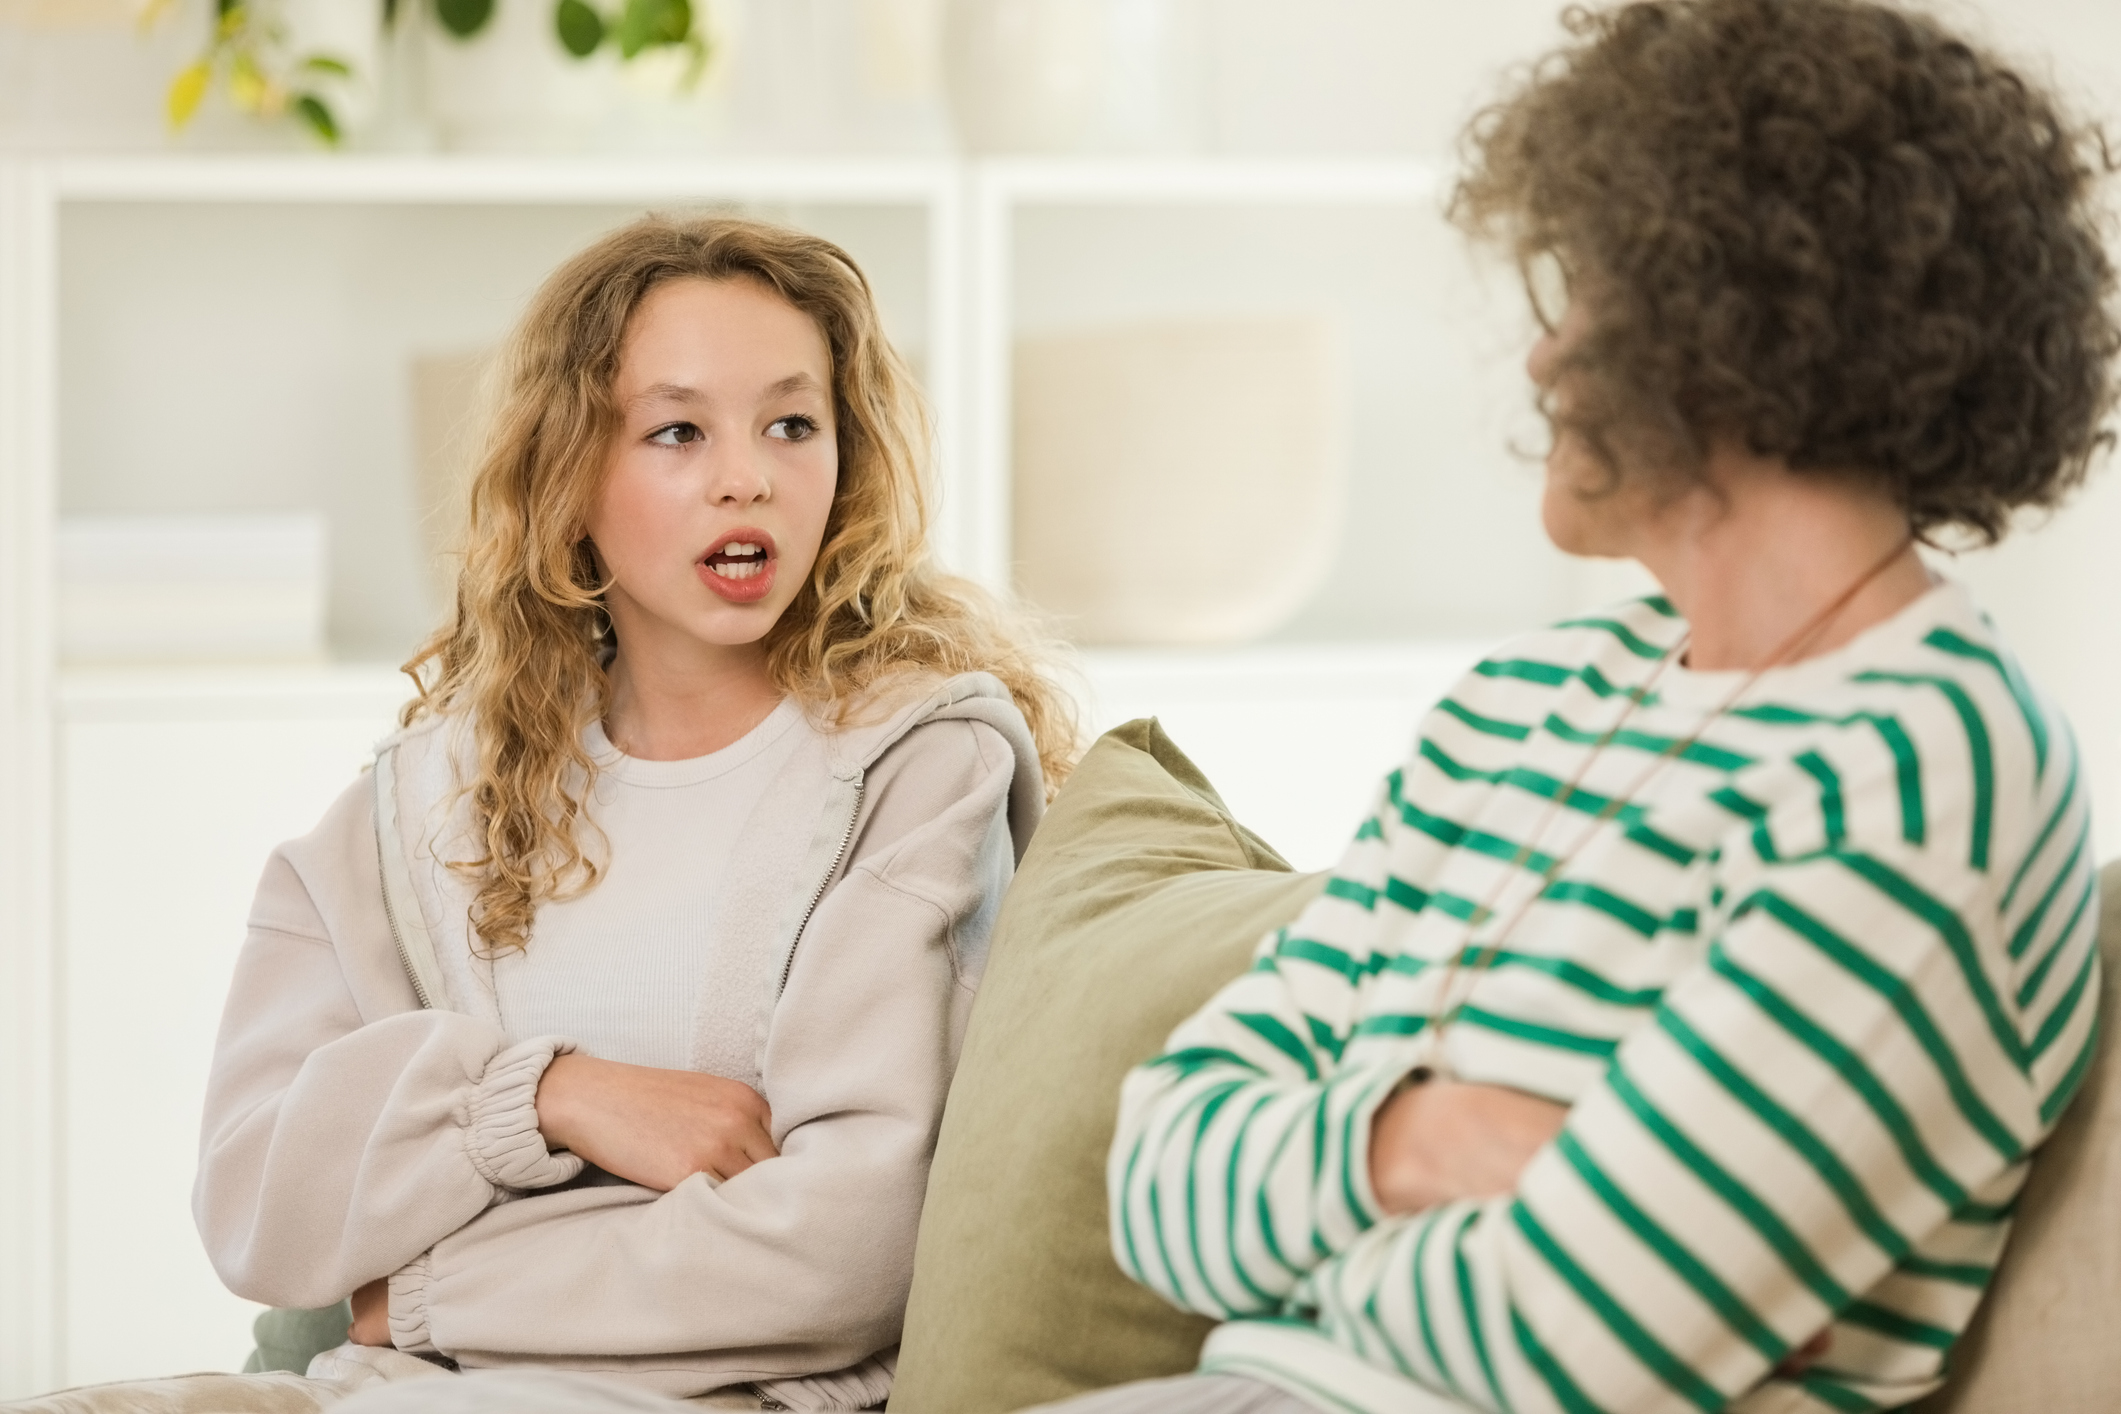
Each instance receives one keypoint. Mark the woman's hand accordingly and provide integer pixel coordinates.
(371, 1314)
(1443, 1140)
(653, 1127)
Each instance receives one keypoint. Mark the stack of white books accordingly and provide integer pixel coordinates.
(192, 588)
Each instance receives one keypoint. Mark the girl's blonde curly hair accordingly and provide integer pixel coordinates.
(523, 653)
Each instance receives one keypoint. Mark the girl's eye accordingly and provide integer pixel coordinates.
(677, 434)
(793, 428)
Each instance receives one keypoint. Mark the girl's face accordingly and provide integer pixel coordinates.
(718, 484)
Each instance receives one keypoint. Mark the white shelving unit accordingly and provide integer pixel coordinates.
(137, 805)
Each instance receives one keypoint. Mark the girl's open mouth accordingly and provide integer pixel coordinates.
(739, 566)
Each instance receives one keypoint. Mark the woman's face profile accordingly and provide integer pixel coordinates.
(721, 475)
(1584, 510)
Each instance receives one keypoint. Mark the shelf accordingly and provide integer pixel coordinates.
(494, 180)
(237, 691)
(1112, 677)
(516, 179)
(1235, 181)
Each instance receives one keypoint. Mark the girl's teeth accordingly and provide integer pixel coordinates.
(736, 571)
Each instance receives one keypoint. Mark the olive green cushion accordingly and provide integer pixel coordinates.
(1138, 899)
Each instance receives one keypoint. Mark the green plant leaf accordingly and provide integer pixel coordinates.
(676, 26)
(318, 117)
(390, 13)
(649, 22)
(185, 91)
(701, 51)
(581, 28)
(463, 18)
(325, 64)
(248, 87)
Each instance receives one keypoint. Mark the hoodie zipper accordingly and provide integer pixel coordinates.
(838, 855)
(386, 822)
(419, 988)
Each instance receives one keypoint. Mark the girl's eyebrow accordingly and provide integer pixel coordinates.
(666, 393)
(680, 393)
(794, 383)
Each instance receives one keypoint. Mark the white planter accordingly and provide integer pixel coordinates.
(513, 88)
(1179, 482)
(1059, 76)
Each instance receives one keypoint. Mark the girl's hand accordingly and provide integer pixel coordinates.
(371, 1314)
(1443, 1140)
(653, 1127)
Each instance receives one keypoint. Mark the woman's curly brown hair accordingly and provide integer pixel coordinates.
(1825, 230)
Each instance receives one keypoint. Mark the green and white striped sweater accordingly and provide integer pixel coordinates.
(1814, 995)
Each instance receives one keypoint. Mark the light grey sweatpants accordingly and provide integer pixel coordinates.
(1187, 1394)
(524, 1392)
(550, 1392)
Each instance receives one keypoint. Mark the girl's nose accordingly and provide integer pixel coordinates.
(738, 479)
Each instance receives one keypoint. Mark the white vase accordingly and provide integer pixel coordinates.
(1075, 76)
(1179, 482)
(837, 75)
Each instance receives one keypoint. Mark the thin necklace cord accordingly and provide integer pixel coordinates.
(1472, 959)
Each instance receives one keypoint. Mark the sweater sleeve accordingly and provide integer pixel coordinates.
(336, 1146)
(799, 1263)
(1817, 1125)
(1240, 1159)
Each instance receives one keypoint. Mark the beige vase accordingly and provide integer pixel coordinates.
(449, 411)
(1179, 483)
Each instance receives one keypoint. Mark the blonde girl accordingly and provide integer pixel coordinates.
(605, 1026)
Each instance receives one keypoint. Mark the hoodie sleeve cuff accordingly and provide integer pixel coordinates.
(501, 1124)
(409, 1329)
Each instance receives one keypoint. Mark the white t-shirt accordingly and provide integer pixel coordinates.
(618, 968)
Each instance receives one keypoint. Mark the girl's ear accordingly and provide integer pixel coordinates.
(586, 548)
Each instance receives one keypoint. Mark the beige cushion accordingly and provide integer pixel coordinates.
(1138, 899)
(2043, 1339)
(276, 1393)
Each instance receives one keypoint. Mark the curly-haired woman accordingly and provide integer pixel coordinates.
(1676, 1033)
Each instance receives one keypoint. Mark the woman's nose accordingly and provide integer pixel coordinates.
(1539, 363)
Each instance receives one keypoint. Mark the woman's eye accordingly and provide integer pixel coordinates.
(793, 428)
(677, 434)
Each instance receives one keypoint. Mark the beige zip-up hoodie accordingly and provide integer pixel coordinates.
(366, 1115)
